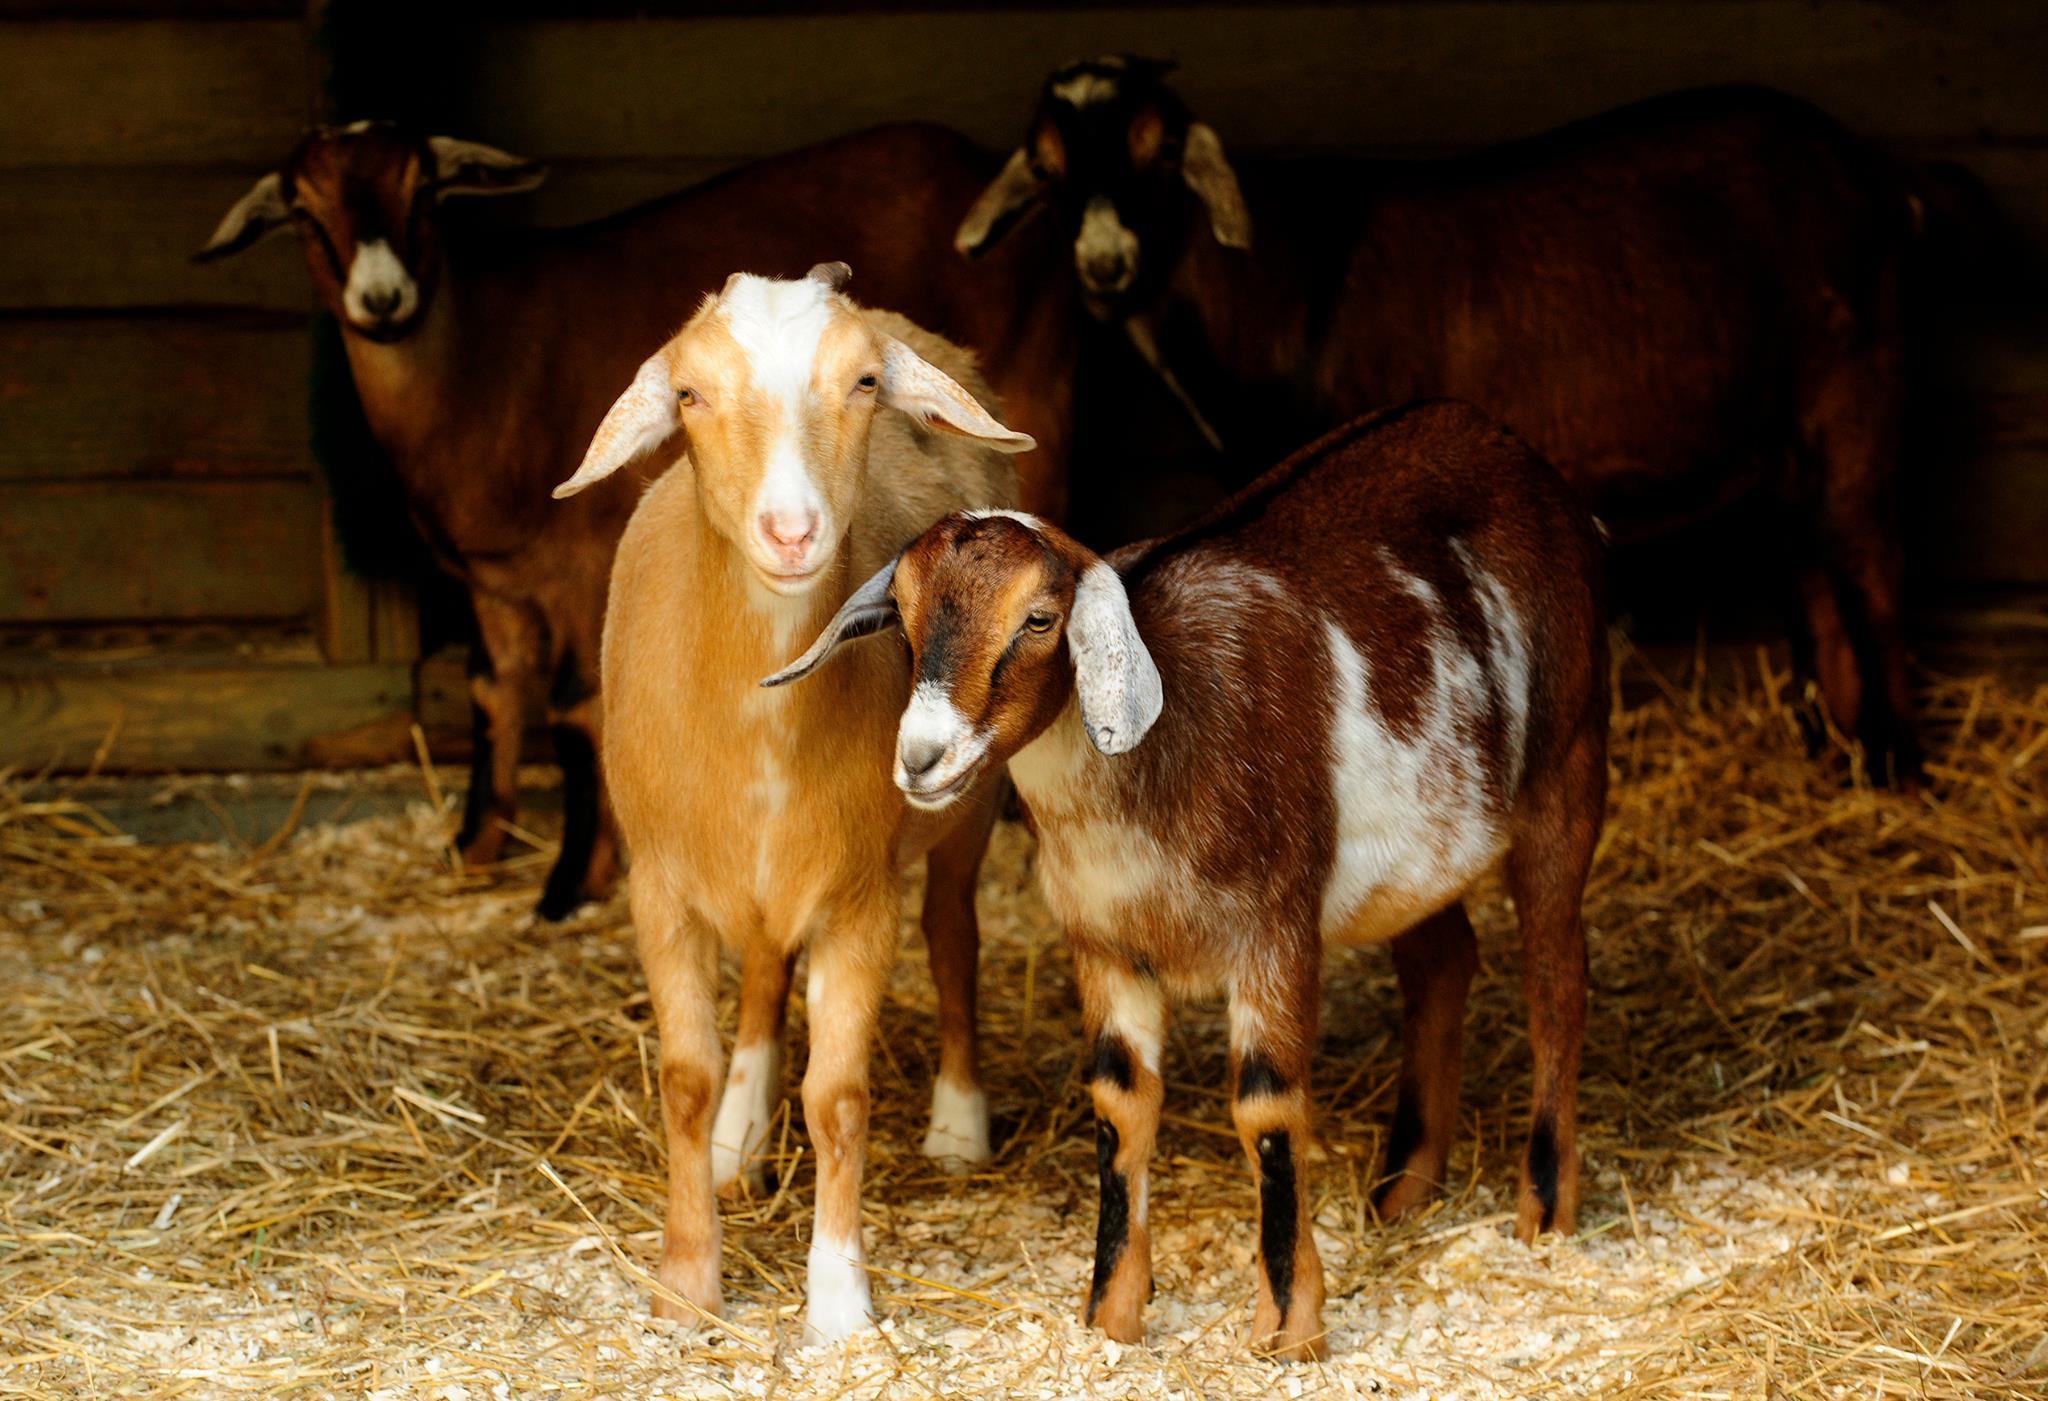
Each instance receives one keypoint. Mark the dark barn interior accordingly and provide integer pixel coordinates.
(415, 1142)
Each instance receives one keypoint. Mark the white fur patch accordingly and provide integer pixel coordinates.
(959, 1131)
(1137, 1017)
(1104, 242)
(1510, 651)
(1023, 518)
(1086, 89)
(1414, 824)
(931, 718)
(836, 1300)
(777, 326)
(376, 275)
(745, 1111)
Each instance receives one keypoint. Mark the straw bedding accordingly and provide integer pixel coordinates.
(325, 1117)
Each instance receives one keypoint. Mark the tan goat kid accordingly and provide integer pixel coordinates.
(765, 821)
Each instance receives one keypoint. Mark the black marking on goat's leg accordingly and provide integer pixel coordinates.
(569, 689)
(1278, 1218)
(1113, 1224)
(1543, 1168)
(477, 802)
(1257, 1076)
(1113, 1062)
(1404, 1136)
(564, 890)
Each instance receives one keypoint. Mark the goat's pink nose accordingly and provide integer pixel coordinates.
(789, 533)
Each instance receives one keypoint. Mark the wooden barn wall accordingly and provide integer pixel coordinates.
(153, 457)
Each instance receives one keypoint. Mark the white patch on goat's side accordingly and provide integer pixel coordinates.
(959, 1130)
(1413, 821)
(1509, 645)
(376, 274)
(1087, 89)
(1048, 771)
(744, 1111)
(836, 1301)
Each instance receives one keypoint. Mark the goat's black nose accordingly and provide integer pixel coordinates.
(919, 756)
(382, 302)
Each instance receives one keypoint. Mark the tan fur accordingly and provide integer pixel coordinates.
(766, 819)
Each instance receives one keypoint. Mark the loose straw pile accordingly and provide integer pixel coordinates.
(316, 1116)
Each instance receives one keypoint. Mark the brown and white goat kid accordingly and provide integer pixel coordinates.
(1319, 714)
(765, 821)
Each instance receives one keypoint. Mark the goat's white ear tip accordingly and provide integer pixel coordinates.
(565, 489)
(1019, 442)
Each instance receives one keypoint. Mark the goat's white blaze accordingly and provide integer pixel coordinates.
(836, 1300)
(1105, 252)
(744, 1110)
(959, 1129)
(777, 326)
(375, 278)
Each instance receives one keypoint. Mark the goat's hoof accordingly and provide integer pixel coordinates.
(480, 849)
(1403, 1194)
(1533, 1219)
(557, 903)
(836, 1301)
(699, 1299)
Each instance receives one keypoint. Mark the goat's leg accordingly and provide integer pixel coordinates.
(1555, 834)
(959, 1127)
(753, 1085)
(1124, 1015)
(1852, 425)
(1272, 1043)
(476, 802)
(1435, 962)
(680, 957)
(587, 863)
(499, 690)
(848, 966)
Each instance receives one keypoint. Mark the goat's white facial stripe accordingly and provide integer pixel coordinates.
(939, 740)
(379, 289)
(778, 326)
(1105, 251)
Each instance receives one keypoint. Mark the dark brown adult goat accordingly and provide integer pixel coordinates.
(1683, 303)
(485, 363)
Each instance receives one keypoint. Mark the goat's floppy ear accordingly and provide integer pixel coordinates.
(472, 168)
(1114, 677)
(256, 215)
(870, 609)
(928, 394)
(1208, 173)
(638, 421)
(1008, 198)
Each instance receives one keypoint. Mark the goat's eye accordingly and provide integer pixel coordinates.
(1039, 622)
(686, 397)
(867, 384)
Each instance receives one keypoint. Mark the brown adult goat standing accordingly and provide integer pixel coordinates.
(1681, 304)
(484, 364)
(1321, 713)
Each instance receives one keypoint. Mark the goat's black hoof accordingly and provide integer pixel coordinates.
(559, 901)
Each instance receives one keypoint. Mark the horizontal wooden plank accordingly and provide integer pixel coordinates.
(1305, 77)
(131, 92)
(109, 550)
(1269, 78)
(124, 237)
(153, 396)
(218, 716)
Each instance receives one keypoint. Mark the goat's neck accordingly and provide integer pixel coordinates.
(1248, 306)
(774, 628)
(451, 405)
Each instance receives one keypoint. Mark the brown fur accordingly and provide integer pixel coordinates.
(1204, 857)
(522, 338)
